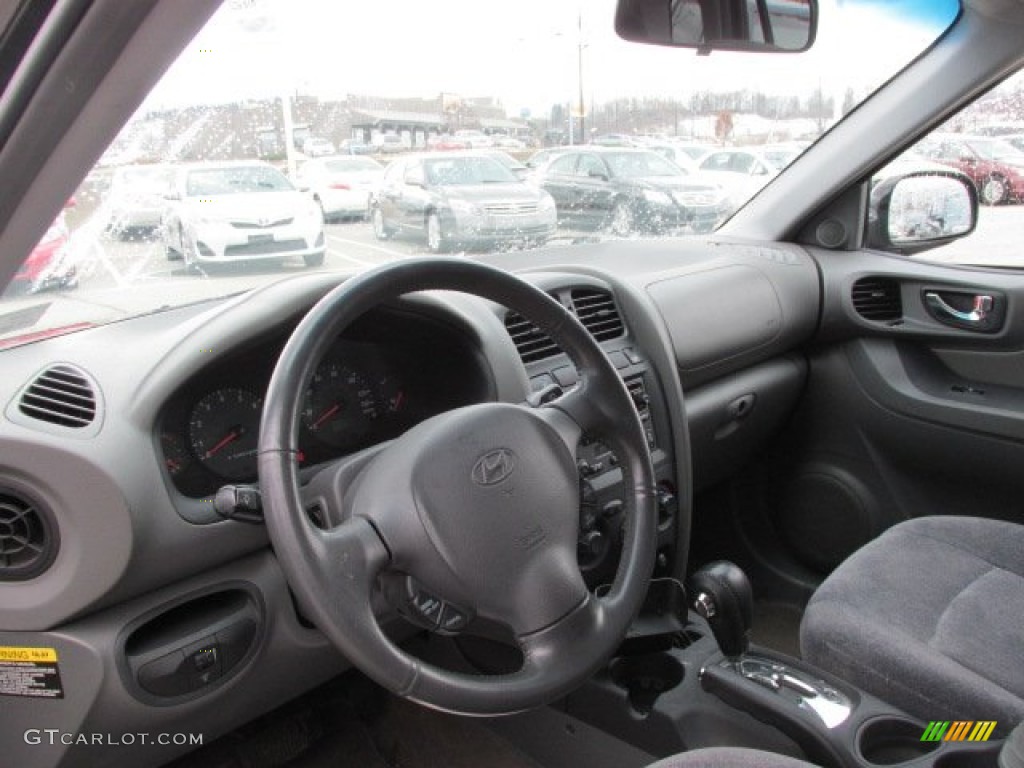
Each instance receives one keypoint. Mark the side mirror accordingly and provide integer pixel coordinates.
(723, 25)
(597, 175)
(916, 211)
(172, 195)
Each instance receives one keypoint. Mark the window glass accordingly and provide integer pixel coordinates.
(979, 143)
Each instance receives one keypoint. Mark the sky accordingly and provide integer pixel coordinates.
(525, 52)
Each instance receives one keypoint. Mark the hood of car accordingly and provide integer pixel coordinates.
(257, 207)
(492, 194)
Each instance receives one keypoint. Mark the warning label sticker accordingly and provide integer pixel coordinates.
(30, 672)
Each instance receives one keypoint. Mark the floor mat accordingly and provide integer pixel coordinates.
(352, 723)
(777, 626)
(411, 736)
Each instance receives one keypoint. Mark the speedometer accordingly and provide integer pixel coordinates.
(340, 405)
(224, 430)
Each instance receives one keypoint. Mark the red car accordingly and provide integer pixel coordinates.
(995, 166)
(47, 266)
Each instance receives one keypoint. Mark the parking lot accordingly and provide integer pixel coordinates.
(105, 261)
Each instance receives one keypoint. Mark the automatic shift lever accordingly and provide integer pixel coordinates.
(722, 595)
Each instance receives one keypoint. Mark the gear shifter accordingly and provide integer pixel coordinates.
(723, 597)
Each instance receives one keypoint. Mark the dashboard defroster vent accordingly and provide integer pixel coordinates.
(598, 313)
(877, 299)
(28, 539)
(62, 395)
(533, 344)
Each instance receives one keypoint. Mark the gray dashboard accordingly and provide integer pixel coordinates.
(717, 320)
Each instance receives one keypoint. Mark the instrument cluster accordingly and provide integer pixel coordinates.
(362, 393)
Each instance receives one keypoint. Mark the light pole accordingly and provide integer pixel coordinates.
(579, 74)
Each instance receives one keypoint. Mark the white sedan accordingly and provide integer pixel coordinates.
(341, 184)
(245, 211)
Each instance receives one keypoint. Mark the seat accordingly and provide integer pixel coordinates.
(930, 618)
(729, 757)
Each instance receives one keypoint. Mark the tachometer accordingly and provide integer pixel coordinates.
(340, 405)
(224, 430)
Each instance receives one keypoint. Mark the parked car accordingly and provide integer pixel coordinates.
(695, 150)
(744, 170)
(675, 153)
(134, 201)
(473, 138)
(615, 140)
(629, 190)
(445, 142)
(994, 165)
(521, 170)
(316, 146)
(355, 147)
(342, 184)
(459, 199)
(49, 265)
(239, 211)
(388, 143)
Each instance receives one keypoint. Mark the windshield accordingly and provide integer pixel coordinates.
(465, 171)
(267, 86)
(634, 165)
(234, 181)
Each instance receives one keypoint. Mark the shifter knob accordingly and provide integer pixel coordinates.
(722, 595)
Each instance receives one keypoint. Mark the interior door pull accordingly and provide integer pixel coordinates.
(978, 314)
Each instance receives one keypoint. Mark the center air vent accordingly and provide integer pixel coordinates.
(598, 313)
(533, 344)
(28, 539)
(62, 395)
(877, 299)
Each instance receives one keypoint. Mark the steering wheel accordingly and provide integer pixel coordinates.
(475, 512)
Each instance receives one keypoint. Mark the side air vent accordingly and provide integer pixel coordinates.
(62, 395)
(877, 299)
(533, 344)
(598, 313)
(28, 538)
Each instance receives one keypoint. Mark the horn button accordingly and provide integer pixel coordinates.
(481, 507)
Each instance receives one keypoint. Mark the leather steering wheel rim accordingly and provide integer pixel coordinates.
(465, 502)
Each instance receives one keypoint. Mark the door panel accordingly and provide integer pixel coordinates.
(904, 416)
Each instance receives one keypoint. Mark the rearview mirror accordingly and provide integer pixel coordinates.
(786, 26)
(921, 210)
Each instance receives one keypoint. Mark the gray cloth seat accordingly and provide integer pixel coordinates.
(930, 618)
(729, 757)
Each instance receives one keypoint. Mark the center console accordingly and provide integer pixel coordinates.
(685, 677)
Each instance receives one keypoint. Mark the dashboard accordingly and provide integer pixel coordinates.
(144, 571)
(387, 374)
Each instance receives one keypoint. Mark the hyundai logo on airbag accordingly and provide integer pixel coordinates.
(493, 467)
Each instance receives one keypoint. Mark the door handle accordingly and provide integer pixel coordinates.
(978, 314)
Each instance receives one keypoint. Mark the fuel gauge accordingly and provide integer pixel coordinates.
(392, 395)
(176, 456)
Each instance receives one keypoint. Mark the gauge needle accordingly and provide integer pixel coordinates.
(326, 415)
(230, 437)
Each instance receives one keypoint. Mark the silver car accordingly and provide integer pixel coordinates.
(460, 199)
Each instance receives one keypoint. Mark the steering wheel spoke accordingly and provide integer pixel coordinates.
(562, 645)
(562, 421)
